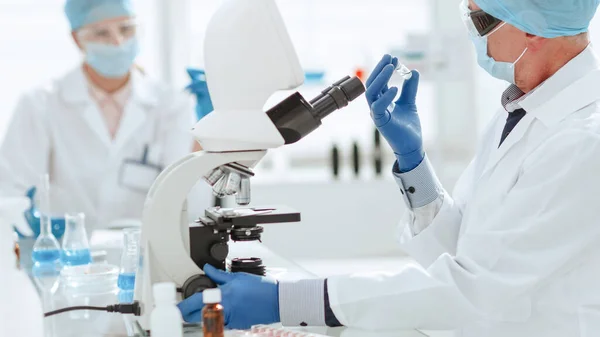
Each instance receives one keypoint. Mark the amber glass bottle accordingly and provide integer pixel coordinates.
(213, 318)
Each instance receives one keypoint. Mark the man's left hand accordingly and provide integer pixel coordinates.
(247, 299)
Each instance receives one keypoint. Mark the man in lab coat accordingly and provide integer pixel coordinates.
(515, 250)
(105, 130)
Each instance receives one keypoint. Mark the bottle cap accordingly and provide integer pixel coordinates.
(164, 292)
(211, 296)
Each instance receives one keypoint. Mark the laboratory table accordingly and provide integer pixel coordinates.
(100, 324)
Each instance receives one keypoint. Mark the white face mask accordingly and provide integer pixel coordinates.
(500, 70)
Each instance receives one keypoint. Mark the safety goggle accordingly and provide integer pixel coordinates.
(479, 23)
(107, 33)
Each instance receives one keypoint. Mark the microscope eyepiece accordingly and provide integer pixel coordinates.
(295, 117)
(353, 88)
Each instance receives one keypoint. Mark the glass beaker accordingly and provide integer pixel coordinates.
(75, 246)
(93, 284)
(129, 258)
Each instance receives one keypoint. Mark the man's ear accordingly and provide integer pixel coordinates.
(535, 43)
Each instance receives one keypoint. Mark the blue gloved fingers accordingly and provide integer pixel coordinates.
(387, 59)
(218, 276)
(409, 90)
(193, 317)
(380, 107)
(395, 64)
(191, 305)
(193, 73)
(31, 194)
(379, 84)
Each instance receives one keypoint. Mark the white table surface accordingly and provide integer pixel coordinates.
(99, 324)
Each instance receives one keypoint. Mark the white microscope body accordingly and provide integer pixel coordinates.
(249, 56)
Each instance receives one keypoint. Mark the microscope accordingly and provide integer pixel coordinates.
(248, 57)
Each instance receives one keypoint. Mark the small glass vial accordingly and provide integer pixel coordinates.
(165, 320)
(403, 71)
(213, 318)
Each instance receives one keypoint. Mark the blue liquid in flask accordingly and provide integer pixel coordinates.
(77, 257)
(126, 296)
(45, 255)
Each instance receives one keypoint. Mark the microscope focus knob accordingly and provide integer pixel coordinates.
(219, 251)
(196, 284)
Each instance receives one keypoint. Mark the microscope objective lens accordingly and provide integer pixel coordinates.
(232, 183)
(214, 176)
(243, 197)
(219, 188)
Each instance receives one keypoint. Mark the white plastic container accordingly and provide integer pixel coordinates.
(165, 320)
(20, 307)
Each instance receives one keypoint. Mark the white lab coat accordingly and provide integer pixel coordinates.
(59, 129)
(516, 250)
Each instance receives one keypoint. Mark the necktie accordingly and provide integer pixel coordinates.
(513, 119)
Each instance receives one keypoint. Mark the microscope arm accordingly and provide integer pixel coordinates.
(165, 227)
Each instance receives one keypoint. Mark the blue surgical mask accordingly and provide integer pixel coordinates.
(112, 61)
(500, 70)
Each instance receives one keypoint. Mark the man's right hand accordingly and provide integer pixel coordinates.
(398, 121)
(247, 299)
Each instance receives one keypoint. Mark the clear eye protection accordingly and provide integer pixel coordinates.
(109, 32)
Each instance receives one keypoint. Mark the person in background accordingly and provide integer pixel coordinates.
(105, 130)
(515, 250)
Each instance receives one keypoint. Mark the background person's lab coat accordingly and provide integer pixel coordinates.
(516, 250)
(58, 128)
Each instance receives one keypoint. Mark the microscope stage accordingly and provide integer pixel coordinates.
(252, 216)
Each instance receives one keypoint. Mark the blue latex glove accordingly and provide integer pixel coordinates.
(247, 299)
(199, 87)
(32, 215)
(398, 122)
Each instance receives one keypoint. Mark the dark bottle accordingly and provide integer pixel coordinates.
(18, 254)
(213, 318)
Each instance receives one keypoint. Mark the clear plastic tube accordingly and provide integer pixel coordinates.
(129, 258)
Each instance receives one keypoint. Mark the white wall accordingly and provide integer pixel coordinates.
(335, 35)
(350, 217)
(36, 46)
(346, 219)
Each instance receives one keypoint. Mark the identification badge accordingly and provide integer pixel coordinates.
(139, 175)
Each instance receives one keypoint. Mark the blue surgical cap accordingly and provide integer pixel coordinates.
(85, 12)
(545, 18)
